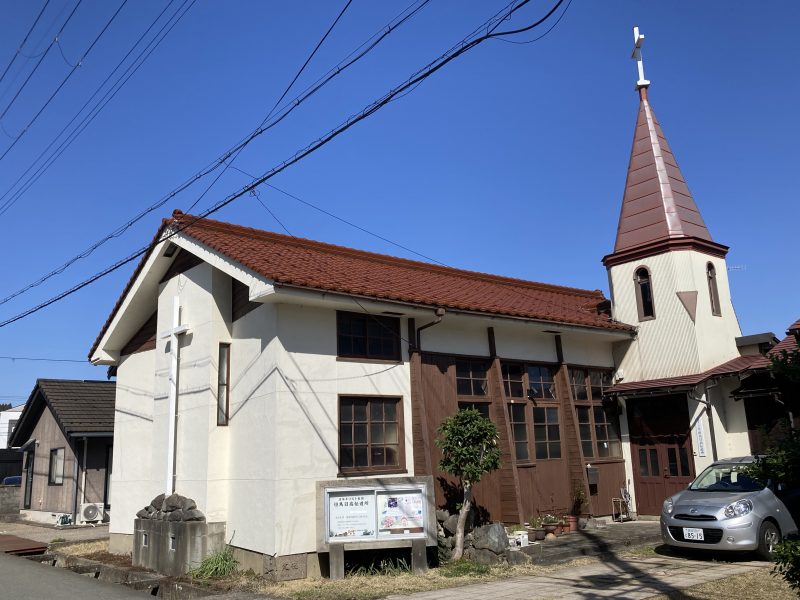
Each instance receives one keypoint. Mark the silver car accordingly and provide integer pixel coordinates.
(724, 509)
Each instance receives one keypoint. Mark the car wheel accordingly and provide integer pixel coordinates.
(769, 536)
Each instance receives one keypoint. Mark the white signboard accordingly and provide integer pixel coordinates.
(359, 514)
(401, 513)
(700, 434)
(351, 515)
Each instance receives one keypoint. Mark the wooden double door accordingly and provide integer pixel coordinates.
(661, 449)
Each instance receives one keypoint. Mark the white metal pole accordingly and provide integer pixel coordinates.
(173, 396)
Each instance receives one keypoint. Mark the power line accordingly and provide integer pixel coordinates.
(135, 65)
(228, 163)
(338, 218)
(456, 51)
(536, 39)
(351, 59)
(39, 62)
(41, 359)
(64, 81)
(24, 41)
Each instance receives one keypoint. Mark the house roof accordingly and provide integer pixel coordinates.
(657, 206)
(733, 366)
(77, 406)
(298, 262)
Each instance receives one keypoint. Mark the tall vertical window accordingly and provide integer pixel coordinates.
(713, 293)
(55, 474)
(370, 434)
(644, 294)
(512, 379)
(541, 385)
(546, 432)
(598, 421)
(519, 430)
(223, 384)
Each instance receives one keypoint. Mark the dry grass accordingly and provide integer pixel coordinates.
(758, 584)
(84, 548)
(371, 587)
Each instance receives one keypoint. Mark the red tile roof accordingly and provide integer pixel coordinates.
(735, 365)
(794, 326)
(305, 263)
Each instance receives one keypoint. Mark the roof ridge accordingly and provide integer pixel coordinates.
(388, 258)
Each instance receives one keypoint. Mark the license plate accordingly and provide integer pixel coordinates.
(693, 534)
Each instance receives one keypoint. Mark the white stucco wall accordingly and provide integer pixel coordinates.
(132, 477)
(671, 344)
(6, 417)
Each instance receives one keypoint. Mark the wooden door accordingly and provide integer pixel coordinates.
(661, 448)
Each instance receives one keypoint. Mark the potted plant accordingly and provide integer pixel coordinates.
(536, 530)
(550, 524)
(578, 500)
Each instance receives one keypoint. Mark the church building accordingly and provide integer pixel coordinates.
(251, 365)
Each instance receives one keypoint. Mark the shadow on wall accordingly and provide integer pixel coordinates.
(454, 497)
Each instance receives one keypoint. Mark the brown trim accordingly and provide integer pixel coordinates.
(659, 247)
(377, 361)
(240, 300)
(144, 339)
(492, 342)
(420, 438)
(401, 439)
(411, 334)
(559, 350)
(184, 261)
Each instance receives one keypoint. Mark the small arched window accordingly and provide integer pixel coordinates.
(644, 294)
(711, 275)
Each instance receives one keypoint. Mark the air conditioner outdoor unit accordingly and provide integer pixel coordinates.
(91, 512)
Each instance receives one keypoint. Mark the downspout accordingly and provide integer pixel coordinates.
(710, 413)
(75, 509)
(438, 319)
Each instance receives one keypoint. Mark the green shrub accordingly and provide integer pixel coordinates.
(388, 567)
(463, 568)
(787, 559)
(216, 566)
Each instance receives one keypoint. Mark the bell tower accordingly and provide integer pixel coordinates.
(667, 275)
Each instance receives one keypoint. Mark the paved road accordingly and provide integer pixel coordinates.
(615, 577)
(22, 579)
(45, 534)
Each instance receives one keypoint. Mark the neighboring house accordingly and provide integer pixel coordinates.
(8, 419)
(289, 361)
(66, 434)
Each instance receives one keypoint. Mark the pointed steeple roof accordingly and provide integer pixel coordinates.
(658, 210)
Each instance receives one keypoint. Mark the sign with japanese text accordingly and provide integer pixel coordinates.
(351, 515)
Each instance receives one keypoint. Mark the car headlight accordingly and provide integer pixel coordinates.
(668, 504)
(738, 508)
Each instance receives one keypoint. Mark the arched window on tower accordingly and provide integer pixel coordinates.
(644, 294)
(711, 275)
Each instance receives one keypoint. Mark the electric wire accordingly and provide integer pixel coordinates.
(40, 359)
(64, 81)
(131, 70)
(229, 162)
(39, 62)
(456, 51)
(345, 221)
(536, 39)
(289, 107)
(24, 40)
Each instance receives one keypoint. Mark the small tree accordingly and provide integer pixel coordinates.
(469, 449)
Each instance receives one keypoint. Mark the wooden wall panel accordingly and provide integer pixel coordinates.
(45, 497)
(612, 478)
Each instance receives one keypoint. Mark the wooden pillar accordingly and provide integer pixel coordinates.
(509, 477)
(420, 431)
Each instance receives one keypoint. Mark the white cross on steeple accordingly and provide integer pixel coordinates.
(638, 40)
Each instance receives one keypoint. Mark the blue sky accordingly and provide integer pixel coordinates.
(510, 160)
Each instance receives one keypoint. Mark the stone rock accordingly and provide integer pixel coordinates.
(516, 557)
(172, 502)
(532, 550)
(550, 537)
(490, 537)
(483, 556)
(193, 515)
(150, 509)
(158, 515)
(143, 514)
(450, 524)
(188, 504)
(175, 515)
(157, 502)
(442, 515)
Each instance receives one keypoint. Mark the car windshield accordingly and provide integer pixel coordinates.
(725, 478)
